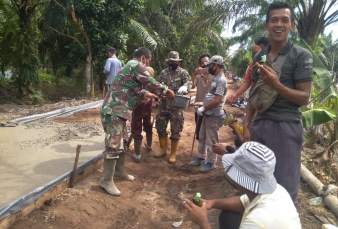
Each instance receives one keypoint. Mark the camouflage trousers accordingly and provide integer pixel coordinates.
(164, 115)
(116, 136)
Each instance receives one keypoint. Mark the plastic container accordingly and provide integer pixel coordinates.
(315, 201)
(181, 102)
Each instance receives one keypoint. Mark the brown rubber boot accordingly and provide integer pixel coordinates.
(172, 156)
(163, 145)
(107, 182)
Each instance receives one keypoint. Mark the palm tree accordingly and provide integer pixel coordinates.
(330, 52)
(162, 28)
(312, 16)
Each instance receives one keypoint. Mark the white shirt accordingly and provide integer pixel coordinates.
(275, 210)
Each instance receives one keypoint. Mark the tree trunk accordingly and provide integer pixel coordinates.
(89, 59)
(89, 67)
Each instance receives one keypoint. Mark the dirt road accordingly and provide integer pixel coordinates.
(153, 199)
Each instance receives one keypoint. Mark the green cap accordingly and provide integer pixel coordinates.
(198, 196)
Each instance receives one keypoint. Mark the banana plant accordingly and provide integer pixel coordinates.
(326, 102)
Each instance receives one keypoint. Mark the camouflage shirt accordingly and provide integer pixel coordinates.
(129, 85)
(175, 80)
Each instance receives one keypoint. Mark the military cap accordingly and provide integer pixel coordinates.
(173, 55)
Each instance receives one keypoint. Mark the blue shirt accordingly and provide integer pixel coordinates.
(111, 68)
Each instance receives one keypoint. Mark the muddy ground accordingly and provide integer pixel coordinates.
(153, 199)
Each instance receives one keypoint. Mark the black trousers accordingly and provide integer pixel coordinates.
(229, 220)
(198, 122)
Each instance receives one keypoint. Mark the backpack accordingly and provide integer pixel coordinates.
(262, 96)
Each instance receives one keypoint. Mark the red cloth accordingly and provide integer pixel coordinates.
(248, 72)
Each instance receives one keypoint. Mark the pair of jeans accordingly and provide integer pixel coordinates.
(229, 220)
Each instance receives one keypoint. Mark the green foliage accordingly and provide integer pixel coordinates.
(319, 68)
(18, 42)
(42, 35)
(163, 29)
(240, 61)
(36, 97)
(45, 77)
(330, 52)
(102, 21)
(329, 105)
(316, 117)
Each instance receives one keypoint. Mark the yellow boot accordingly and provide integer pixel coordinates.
(172, 156)
(163, 145)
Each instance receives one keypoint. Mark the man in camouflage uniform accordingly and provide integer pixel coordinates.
(178, 80)
(129, 85)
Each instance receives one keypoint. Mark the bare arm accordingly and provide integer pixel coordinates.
(240, 91)
(244, 87)
(250, 113)
(199, 214)
(233, 203)
(193, 76)
(299, 96)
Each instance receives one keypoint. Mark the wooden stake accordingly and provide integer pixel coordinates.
(72, 177)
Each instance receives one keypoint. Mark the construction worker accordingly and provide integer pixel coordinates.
(178, 80)
(126, 89)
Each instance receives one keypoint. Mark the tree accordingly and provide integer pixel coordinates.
(240, 61)
(331, 53)
(19, 39)
(157, 30)
(92, 26)
(312, 16)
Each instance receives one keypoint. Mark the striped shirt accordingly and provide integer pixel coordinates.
(217, 87)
